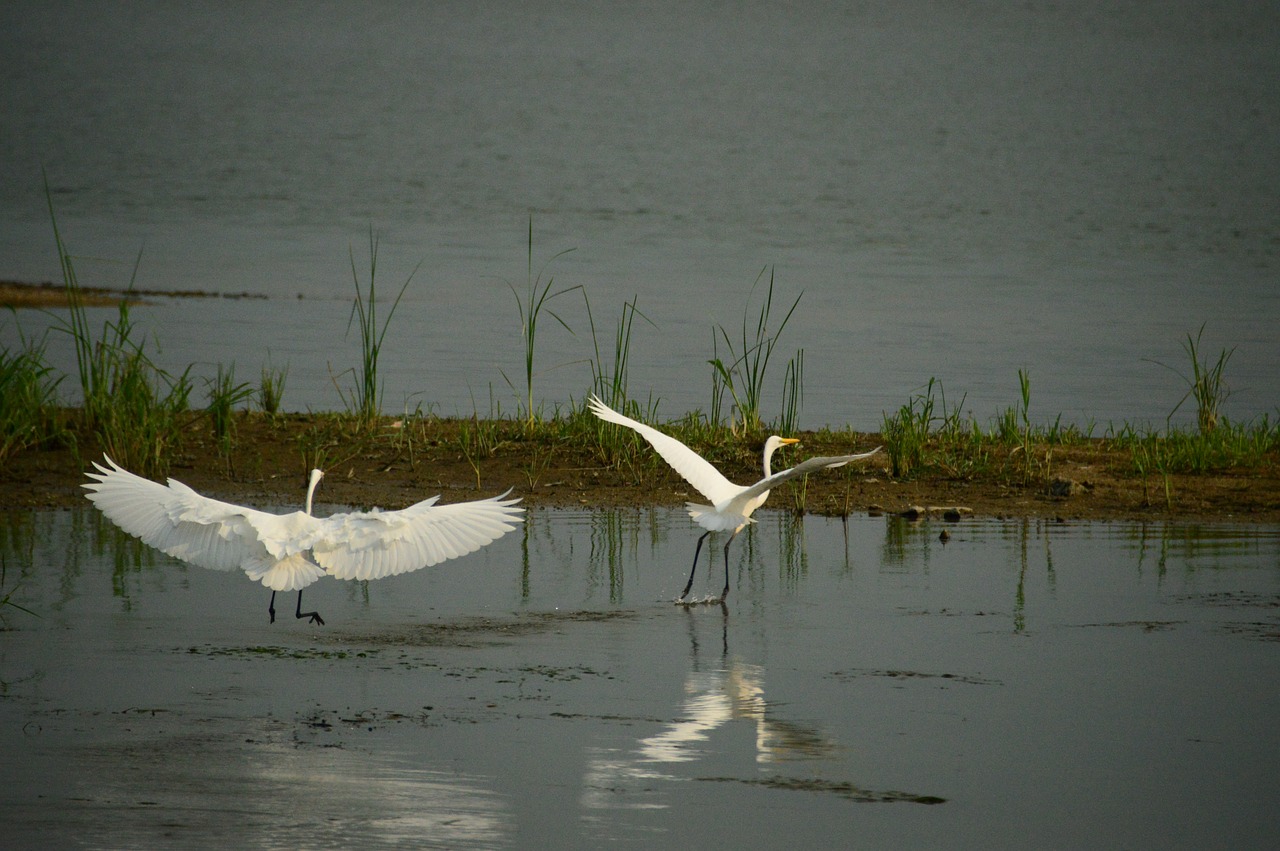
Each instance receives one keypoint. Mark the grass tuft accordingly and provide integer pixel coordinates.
(535, 302)
(135, 409)
(28, 395)
(366, 401)
(742, 374)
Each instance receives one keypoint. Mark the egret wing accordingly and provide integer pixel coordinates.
(811, 465)
(696, 470)
(184, 524)
(374, 544)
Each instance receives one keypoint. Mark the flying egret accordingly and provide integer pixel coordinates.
(731, 505)
(272, 548)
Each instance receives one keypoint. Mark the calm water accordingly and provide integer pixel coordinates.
(1092, 685)
(958, 191)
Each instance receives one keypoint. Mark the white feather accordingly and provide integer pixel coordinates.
(374, 544)
(273, 548)
(731, 505)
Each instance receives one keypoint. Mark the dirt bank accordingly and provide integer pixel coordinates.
(271, 458)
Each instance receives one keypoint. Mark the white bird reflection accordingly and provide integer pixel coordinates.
(715, 699)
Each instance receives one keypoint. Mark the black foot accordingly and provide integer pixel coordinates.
(315, 616)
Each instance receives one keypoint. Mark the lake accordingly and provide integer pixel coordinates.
(953, 192)
(865, 685)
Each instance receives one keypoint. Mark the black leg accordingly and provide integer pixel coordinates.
(692, 570)
(271, 607)
(725, 593)
(315, 616)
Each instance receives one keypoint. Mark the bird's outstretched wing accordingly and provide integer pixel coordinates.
(811, 465)
(197, 529)
(696, 470)
(374, 544)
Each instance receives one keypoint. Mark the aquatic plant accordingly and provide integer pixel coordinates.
(28, 388)
(536, 301)
(224, 394)
(906, 432)
(478, 439)
(792, 394)
(742, 374)
(134, 408)
(366, 401)
(609, 380)
(609, 383)
(7, 599)
(1205, 384)
(271, 389)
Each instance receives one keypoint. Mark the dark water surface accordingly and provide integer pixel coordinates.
(960, 191)
(1060, 685)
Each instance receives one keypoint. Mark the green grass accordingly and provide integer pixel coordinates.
(1205, 383)
(924, 437)
(224, 395)
(138, 413)
(28, 398)
(535, 302)
(365, 402)
(741, 373)
(271, 389)
(136, 410)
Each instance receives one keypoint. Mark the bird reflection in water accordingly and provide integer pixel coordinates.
(716, 700)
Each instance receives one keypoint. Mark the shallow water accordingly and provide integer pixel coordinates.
(1083, 685)
(960, 192)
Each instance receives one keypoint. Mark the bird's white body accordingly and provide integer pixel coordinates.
(273, 548)
(731, 505)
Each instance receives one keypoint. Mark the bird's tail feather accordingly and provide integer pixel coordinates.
(290, 574)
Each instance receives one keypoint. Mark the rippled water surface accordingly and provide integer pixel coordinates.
(1090, 685)
(960, 191)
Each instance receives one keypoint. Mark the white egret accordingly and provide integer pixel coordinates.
(272, 548)
(731, 505)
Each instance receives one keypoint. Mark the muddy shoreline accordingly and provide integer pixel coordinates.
(269, 463)
(388, 468)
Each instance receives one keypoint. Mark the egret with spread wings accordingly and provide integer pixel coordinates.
(731, 505)
(273, 548)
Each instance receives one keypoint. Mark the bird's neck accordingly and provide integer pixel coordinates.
(311, 492)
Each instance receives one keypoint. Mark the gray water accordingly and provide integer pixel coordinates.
(1058, 685)
(959, 191)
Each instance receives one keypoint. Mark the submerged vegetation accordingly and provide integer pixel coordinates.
(141, 414)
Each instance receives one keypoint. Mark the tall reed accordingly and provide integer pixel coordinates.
(366, 401)
(28, 393)
(135, 409)
(743, 374)
(792, 394)
(271, 389)
(1205, 384)
(906, 432)
(224, 394)
(609, 380)
(535, 301)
